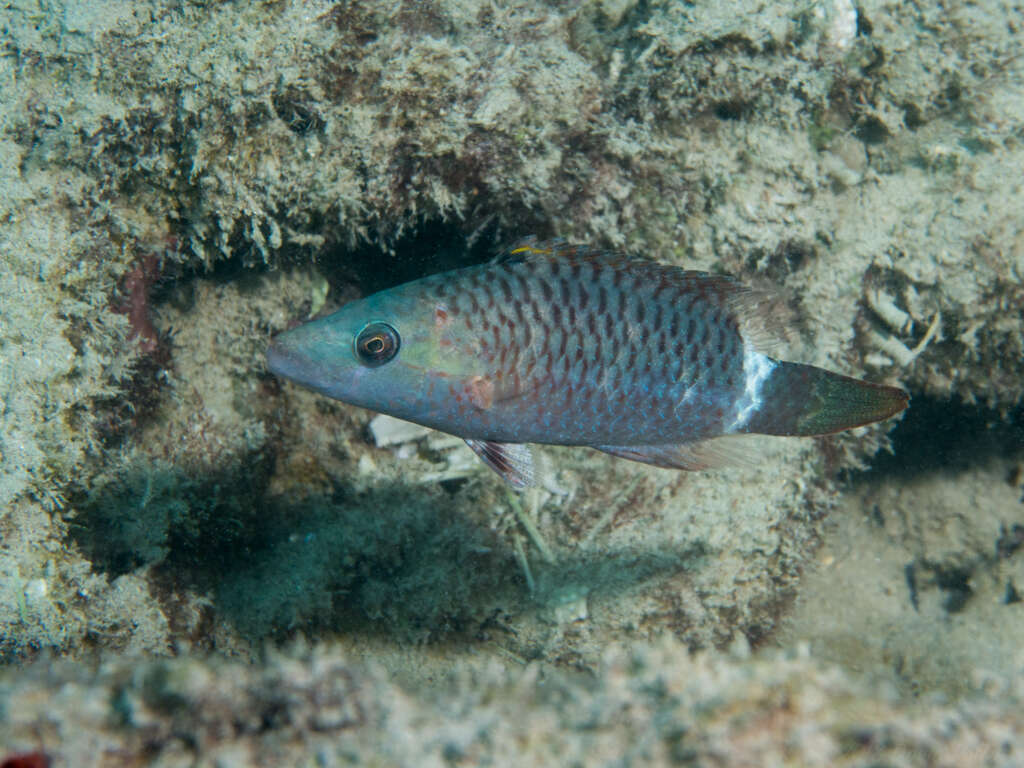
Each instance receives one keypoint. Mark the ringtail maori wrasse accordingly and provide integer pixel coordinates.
(568, 345)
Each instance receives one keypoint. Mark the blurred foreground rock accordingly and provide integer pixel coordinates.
(652, 706)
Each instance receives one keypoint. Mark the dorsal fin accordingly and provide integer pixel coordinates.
(764, 318)
(532, 249)
(529, 248)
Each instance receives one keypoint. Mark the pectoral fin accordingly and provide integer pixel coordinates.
(513, 461)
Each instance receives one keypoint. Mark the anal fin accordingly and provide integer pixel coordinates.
(695, 456)
(513, 461)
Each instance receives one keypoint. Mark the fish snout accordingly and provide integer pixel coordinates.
(283, 360)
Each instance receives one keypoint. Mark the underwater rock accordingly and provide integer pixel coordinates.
(659, 703)
(254, 149)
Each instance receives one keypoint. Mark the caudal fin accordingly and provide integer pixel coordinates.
(804, 400)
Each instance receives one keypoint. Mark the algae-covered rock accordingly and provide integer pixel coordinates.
(179, 182)
(655, 705)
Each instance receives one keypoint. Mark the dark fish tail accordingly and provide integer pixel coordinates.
(804, 400)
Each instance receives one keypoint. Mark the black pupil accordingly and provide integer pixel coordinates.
(375, 345)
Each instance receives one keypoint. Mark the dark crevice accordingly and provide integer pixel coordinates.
(435, 246)
(938, 435)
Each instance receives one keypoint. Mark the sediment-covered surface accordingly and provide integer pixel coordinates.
(179, 183)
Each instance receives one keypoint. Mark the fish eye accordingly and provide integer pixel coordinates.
(377, 344)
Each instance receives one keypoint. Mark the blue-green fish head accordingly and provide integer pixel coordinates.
(391, 352)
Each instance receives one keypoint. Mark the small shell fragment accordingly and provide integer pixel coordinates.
(387, 430)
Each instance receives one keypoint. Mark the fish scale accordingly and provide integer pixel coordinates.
(568, 345)
(619, 365)
(624, 357)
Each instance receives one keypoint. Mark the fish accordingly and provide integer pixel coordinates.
(559, 344)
